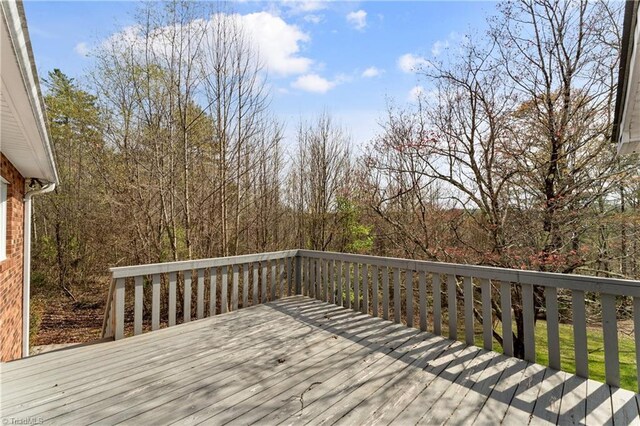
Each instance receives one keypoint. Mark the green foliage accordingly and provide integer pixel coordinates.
(351, 296)
(36, 307)
(181, 247)
(357, 237)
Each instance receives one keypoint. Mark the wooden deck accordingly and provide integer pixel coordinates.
(296, 361)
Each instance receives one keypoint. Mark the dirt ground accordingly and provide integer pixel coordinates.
(66, 321)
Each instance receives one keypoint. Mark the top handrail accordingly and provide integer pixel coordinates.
(183, 265)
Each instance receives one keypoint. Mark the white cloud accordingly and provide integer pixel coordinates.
(372, 72)
(313, 83)
(415, 93)
(304, 6)
(438, 47)
(410, 63)
(314, 19)
(278, 43)
(357, 19)
(82, 49)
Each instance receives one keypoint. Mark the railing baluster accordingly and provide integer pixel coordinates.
(173, 279)
(213, 290)
(356, 286)
(234, 288)
(487, 318)
(553, 332)
(307, 277)
(316, 279)
(365, 288)
(256, 278)
(138, 304)
(264, 282)
(311, 276)
(347, 284)
(636, 334)
(375, 290)
(325, 271)
(224, 291)
(397, 300)
(437, 304)
(332, 280)
(290, 280)
(186, 303)
(319, 279)
(468, 310)
(409, 288)
(505, 307)
(281, 279)
(119, 309)
(528, 315)
(245, 285)
(200, 302)
(340, 278)
(274, 279)
(422, 290)
(298, 273)
(385, 292)
(155, 302)
(452, 307)
(580, 333)
(610, 331)
(315, 272)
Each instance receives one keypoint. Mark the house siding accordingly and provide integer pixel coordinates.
(11, 268)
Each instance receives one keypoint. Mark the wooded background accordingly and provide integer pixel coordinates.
(169, 150)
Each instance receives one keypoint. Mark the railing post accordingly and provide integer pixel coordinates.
(118, 328)
(138, 304)
(155, 303)
(107, 321)
(528, 317)
(610, 334)
(298, 274)
(580, 333)
(186, 305)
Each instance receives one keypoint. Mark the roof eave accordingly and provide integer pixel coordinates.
(15, 18)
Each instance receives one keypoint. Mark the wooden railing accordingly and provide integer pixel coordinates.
(254, 279)
(438, 297)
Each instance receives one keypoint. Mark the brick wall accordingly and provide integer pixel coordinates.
(11, 267)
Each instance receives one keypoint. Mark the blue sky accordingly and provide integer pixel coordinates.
(348, 58)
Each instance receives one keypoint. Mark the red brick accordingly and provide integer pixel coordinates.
(11, 268)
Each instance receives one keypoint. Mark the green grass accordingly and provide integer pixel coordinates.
(595, 348)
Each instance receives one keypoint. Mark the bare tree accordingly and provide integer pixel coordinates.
(321, 170)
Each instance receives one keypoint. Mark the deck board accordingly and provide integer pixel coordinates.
(298, 360)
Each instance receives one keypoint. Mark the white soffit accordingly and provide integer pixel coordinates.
(23, 133)
(629, 136)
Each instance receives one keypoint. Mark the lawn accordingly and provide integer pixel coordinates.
(595, 347)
